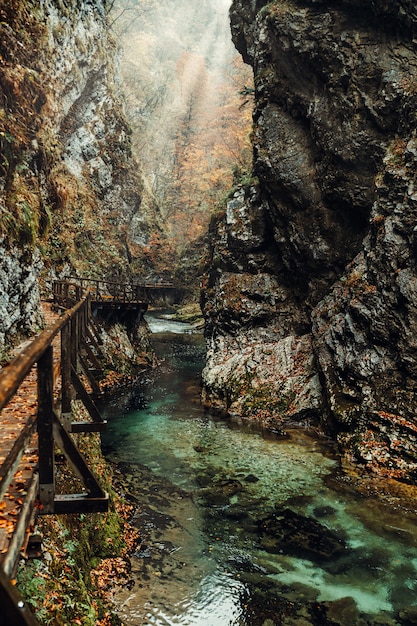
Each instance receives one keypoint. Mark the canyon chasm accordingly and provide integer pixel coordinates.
(308, 266)
(308, 292)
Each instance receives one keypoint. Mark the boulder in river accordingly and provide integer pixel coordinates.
(291, 533)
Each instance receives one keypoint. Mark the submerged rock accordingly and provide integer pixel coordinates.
(343, 612)
(409, 615)
(251, 478)
(287, 532)
(324, 511)
(220, 492)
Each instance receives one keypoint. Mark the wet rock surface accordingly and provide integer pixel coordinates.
(285, 531)
(20, 306)
(274, 382)
(320, 243)
(70, 192)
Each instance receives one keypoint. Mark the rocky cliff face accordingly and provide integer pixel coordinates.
(309, 299)
(70, 193)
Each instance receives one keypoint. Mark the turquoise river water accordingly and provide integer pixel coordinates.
(240, 528)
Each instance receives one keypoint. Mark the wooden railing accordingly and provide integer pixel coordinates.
(103, 291)
(79, 356)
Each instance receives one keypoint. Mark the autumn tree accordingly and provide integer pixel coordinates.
(184, 85)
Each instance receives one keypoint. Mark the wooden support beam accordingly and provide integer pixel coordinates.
(86, 398)
(76, 460)
(92, 358)
(74, 353)
(87, 372)
(45, 431)
(80, 503)
(88, 427)
(93, 336)
(67, 392)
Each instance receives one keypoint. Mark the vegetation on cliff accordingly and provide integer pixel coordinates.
(69, 188)
(188, 101)
(72, 197)
(56, 192)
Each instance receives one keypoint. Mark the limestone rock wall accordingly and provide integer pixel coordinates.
(70, 192)
(20, 308)
(315, 255)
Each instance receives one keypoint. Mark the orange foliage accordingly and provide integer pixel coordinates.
(190, 121)
(212, 143)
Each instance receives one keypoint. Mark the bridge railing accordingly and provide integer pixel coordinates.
(52, 421)
(104, 290)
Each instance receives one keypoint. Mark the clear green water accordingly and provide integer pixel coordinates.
(205, 489)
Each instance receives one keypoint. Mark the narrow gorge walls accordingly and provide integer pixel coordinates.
(309, 297)
(69, 188)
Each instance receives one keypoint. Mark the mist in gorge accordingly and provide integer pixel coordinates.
(185, 88)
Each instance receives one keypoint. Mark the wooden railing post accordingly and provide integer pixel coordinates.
(67, 392)
(72, 342)
(45, 430)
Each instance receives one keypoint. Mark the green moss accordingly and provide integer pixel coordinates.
(262, 399)
(275, 10)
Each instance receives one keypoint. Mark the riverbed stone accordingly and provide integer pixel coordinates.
(285, 531)
(343, 612)
(409, 615)
(301, 593)
(296, 621)
(220, 492)
(251, 478)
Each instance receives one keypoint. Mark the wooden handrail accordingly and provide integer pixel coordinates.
(66, 291)
(98, 282)
(53, 424)
(12, 374)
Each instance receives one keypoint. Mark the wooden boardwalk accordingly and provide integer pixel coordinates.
(15, 418)
(109, 294)
(16, 415)
(37, 388)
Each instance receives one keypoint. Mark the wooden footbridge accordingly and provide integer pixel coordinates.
(111, 295)
(39, 388)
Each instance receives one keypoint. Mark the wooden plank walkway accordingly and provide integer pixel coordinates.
(127, 295)
(15, 417)
(37, 389)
